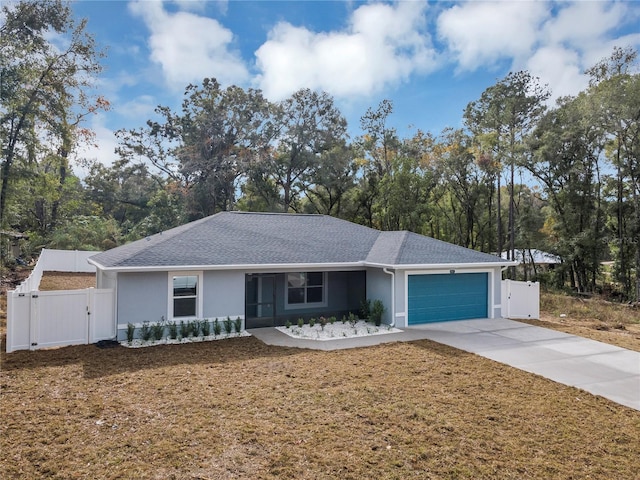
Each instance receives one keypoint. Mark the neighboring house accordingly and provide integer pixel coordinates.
(532, 261)
(535, 256)
(269, 268)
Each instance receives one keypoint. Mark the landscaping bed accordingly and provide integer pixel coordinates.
(335, 330)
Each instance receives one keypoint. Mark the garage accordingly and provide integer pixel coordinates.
(445, 297)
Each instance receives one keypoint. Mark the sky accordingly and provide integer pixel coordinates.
(430, 59)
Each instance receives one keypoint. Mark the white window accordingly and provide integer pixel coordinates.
(306, 289)
(185, 299)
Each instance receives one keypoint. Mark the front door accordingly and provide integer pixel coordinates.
(260, 300)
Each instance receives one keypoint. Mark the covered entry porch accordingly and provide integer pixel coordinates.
(273, 298)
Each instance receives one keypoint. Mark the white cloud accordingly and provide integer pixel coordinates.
(190, 47)
(139, 107)
(383, 45)
(574, 40)
(481, 33)
(555, 44)
(101, 148)
(200, 5)
(582, 23)
(560, 68)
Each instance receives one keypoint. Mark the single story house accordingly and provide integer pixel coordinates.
(267, 268)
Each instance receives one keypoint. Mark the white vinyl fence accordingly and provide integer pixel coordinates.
(59, 318)
(57, 261)
(38, 319)
(520, 299)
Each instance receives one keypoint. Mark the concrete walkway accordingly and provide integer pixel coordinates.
(596, 367)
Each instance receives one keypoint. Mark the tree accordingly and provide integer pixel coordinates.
(208, 146)
(615, 93)
(463, 191)
(125, 192)
(333, 178)
(567, 146)
(308, 126)
(379, 146)
(503, 117)
(223, 131)
(44, 89)
(406, 185)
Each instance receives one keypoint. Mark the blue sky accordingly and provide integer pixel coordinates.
(429, 58)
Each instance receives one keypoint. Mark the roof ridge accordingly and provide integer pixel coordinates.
(242, 212)
(405, 235)
(392, 250)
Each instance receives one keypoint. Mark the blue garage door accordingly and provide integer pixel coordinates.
(440, 298)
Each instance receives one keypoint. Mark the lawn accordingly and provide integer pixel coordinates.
(238, 409)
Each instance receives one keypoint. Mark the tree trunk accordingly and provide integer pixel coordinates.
(499, 219)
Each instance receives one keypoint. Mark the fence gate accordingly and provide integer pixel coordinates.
(520, 299)
(59, 318)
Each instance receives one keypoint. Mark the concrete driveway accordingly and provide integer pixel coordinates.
(596, 367)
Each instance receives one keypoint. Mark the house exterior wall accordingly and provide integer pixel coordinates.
(496, 307)
(379, 288)
(106, 279)
(144, 297)
(141, 297)
(223, 294)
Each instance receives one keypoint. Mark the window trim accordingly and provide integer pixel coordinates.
(306, 305)
(171, 297)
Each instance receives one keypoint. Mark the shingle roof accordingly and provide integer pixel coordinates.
(242, 238)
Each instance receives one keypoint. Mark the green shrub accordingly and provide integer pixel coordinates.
(206, 328)
(365, 308)
(173, 330)
(216, 328)
(195, 328)
(157, 331)
(312, 322)
(353, 319)
(184, 329)
(377, 310)
(238, 325)
(131, 329)
(287, 324)
(344, 318)
(332, 320)
(301, 322)
(228, 326)
(145, 331)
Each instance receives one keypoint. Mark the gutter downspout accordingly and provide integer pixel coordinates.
(393, 295)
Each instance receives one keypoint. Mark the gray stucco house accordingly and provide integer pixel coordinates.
(268, 268)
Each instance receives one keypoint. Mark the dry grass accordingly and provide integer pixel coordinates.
(67, 281)
(238, 409)
(613, 323)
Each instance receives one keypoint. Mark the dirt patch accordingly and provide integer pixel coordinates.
(67, 281)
